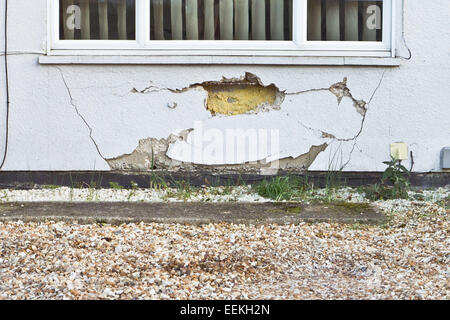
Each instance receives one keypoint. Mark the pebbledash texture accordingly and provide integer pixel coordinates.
(95, 94)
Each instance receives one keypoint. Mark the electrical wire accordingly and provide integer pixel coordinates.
(6, 85)
(403, 32)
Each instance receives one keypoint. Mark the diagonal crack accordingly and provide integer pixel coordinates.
(69, 93)
(340, 90)
(364, 120)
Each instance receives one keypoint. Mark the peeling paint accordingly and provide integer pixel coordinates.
(304, 161)
(150, 154)
(340, 90)
(233, 96)
(239, 97)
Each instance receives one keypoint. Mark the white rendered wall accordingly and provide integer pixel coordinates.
(106, 118)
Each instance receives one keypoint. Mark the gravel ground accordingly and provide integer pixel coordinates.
(408, 258)
(209, 194)
(212, 194)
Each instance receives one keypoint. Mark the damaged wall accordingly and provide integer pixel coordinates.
(239, 96)
(124, 117)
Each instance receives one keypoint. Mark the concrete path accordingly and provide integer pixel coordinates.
(189, 213)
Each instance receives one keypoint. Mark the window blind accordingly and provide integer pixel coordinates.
(97, 19)
(344, 20)
(221, 20)
(327, 20)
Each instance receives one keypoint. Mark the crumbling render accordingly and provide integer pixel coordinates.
(340, 90)
(151, 154)
(241, 96)
(234, 96)
(229, 97)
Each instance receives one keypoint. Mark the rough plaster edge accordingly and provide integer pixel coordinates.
(339, 89)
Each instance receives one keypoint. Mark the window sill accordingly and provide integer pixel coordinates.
(217, 60)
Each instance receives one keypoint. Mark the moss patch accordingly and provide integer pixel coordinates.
(351, 206)
(294, 210)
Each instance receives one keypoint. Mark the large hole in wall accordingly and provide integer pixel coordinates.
(239, 96)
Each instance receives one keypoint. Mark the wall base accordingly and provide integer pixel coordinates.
(33, 179)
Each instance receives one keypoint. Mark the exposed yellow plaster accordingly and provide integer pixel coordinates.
(234, 99)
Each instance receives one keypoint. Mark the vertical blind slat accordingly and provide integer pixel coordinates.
(332, 17)
(241, 19)
(277, 19)
(176, 18)
(192, 19)
(122, 19)
(351, 21)
(85, 20)
(314, 20)
(258, 20)
(103, 19)
(209, 20)
(323, 18)
(158, 16)
(226, 19)
(379, 32)
(360, 20)
(342, 20)
(290, 19)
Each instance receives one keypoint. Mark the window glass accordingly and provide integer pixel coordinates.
(97, 19)
(345, 20)
(221, 20)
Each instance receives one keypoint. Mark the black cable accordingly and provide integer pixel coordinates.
(403, 33)
(7, 85)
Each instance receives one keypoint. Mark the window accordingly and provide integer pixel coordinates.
(242, 20)
(295, 27)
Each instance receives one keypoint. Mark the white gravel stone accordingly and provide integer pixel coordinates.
(66, 194)
(407, 258)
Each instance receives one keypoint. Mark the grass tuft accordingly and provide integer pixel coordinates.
(282, 188)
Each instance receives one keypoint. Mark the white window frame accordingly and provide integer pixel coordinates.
(299, 46)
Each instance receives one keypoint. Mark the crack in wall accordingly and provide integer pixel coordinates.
(151, 153)
(79, 114)
(340, 90)
(364, 120)
(233, 96)
(139, 159)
